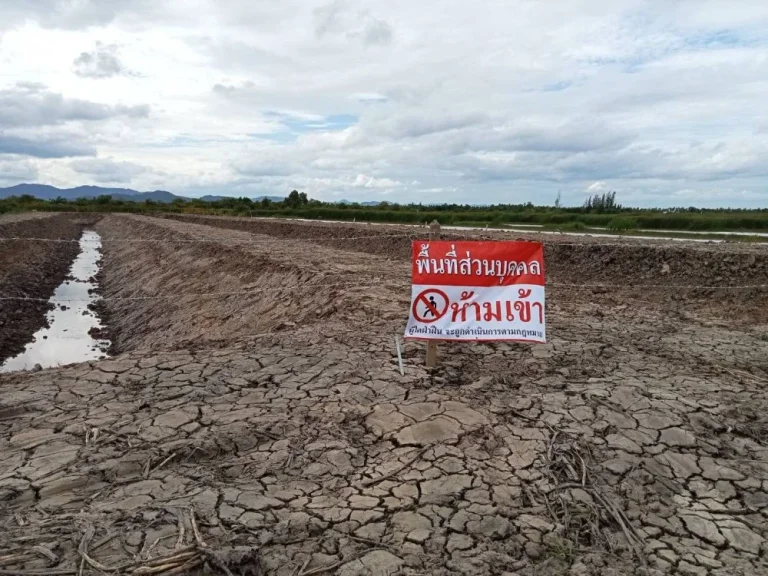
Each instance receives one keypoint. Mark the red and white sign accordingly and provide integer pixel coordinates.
(477, 291)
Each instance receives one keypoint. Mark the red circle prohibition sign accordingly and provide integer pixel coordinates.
(422, 298)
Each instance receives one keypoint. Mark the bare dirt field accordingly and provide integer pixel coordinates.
(254, 419)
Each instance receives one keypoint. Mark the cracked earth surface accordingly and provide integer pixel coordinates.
(634, 442)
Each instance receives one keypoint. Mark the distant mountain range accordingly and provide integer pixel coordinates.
(45, 192)
(371, 203)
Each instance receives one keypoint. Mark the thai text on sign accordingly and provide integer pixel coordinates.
(477, 291)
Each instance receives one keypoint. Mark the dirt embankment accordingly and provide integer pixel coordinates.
(30, 268)
(191, 284)
(567, 258)
(691, 274)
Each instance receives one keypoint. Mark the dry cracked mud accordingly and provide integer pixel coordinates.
(634, 442)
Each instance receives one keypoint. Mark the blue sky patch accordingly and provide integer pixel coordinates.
(294, 126)
(300, 125)
(557, 86)
(717, 39)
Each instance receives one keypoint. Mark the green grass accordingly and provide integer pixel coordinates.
(623, 220)
(562, 554)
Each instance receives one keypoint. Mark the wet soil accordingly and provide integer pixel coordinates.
(67, 337)
(33, 269)
(273, 425)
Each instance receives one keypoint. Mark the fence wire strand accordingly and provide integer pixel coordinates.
(405, 286)
(215, 240)
(633, 242)
(222, 294)
(256, 291)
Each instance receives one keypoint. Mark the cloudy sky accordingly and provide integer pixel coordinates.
(664, 101)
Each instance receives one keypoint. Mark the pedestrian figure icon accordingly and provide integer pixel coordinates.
(429, 305)
(430, 310)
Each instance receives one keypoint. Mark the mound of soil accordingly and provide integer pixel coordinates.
(691, 274)
(567, 258)
(201, 284)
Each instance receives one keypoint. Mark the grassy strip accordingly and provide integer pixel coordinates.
(565, 219)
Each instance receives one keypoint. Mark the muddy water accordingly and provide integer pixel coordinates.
(67, 339)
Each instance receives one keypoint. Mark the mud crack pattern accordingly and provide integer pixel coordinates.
(634, 442)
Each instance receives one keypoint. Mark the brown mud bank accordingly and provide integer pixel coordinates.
(31, 268)
(710, 277)
(170, 284)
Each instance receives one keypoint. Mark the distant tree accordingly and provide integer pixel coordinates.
(605, 202)
(265, 202)
(557, 200)
(292, 201)
(296, 199)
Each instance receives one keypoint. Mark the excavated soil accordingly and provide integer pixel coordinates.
(648, 269)
(237, 287)
(262, 425)
(33, 269)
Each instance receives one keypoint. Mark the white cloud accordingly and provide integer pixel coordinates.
(29, 104)
(510, 103)
(101, 62)
(369, 97)
(363, 181)
(108, 170)
(14, 170)
(341, 18)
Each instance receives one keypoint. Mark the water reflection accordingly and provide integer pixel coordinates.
(67, 340)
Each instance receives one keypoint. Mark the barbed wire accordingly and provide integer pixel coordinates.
(249, 292)
(404, 286)
(627, 242)
(656, 286)
(256, 291)
(217, 240)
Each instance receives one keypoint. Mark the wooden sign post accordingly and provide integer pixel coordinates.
(434, 234)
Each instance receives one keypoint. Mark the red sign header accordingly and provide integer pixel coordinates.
(477, 263)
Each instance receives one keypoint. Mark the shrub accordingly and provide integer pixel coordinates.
(573, 226)
(620, 224)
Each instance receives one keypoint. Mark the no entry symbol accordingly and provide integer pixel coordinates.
(430, 305)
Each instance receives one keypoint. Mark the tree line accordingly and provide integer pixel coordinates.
(601, 210)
